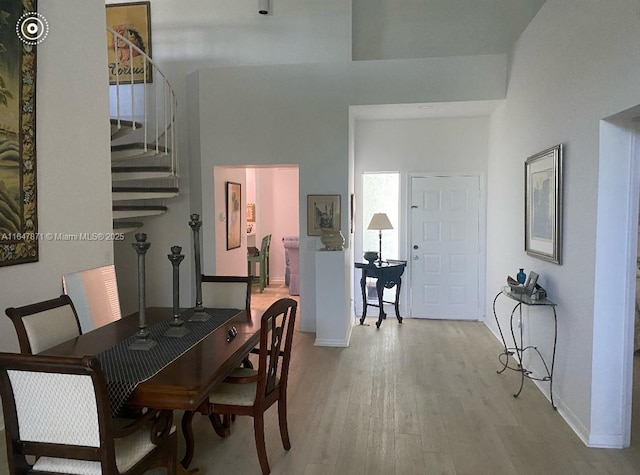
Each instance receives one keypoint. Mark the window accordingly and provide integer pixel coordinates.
(381, 194)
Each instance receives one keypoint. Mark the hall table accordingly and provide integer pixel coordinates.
(387, 275)
(187, 381)
(517, 352)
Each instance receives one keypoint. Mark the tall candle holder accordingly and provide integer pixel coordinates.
(199, 313)
(176, 326)
(142, 341)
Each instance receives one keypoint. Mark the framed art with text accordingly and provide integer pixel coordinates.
(131, 22)
(543, 205)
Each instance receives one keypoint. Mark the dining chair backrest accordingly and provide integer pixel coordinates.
(57, 409)
(276, 337)
(41, 325)
(95, 295)
(226, 291)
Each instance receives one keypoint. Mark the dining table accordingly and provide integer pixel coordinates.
(196, 363)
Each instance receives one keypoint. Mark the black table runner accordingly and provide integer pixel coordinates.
(124, 369)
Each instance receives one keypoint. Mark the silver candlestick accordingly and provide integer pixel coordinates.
(177, 328)
(199, 313)
(142, 341)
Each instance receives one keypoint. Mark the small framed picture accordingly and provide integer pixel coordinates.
(543, 205)
(323, 212)
(234, 203)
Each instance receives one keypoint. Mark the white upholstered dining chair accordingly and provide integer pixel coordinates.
(57, 410)
(95, 295)
(41, 325)
(226, 291)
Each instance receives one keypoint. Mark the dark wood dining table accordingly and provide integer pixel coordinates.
(185, 382)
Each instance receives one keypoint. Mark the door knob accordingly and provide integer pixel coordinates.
(415, 258)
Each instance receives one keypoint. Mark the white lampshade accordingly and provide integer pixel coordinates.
(380, 221)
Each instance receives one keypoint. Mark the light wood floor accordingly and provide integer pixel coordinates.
(418, 398)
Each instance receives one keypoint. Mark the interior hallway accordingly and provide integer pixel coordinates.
(418, 398)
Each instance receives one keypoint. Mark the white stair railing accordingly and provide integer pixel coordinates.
(134, 93)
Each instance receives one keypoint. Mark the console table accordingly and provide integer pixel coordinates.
(517, 351)
(387, 274)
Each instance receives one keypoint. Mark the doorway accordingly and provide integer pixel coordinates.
(272, 193)
(445, 247)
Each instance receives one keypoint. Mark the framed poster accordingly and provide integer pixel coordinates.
(323, 212)
(131, 21)
(234, 205)
(18, 197)
(543, 205)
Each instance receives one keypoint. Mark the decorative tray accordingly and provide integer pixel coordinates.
(515, 287)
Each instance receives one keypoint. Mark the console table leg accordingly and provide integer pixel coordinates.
(380, 291)
(398, 284)
(363, 287)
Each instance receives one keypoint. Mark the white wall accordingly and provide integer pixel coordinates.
(299, 114)
(388, 29)
(568, 72)
(453, 146)
(72, 153)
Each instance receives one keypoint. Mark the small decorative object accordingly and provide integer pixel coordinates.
(177, 328)
(370, 256)
(332, 240)
(515, 287)
(543, 205)
(234, 226)
(199, 315)
(532, 281)
(142, 341)
(521, 277)
(323, 212)
(380, 221)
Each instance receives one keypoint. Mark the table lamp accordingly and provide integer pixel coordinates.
(378, 222)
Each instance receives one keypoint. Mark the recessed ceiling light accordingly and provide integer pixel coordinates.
(425, 106)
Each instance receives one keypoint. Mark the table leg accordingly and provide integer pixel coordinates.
(398, 284)
(187, 432)
(380, 291)
(363, 287)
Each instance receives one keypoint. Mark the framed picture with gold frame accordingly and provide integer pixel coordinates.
(130, 21)
(18, 197)
(234, 205)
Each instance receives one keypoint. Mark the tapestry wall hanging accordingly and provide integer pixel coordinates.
(21, 28)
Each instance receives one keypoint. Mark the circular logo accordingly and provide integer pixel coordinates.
(32, 28)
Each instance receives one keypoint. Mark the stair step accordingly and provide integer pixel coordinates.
(140, 173)
(126, 127)
(122, 193)
(126, 226)
(131, 151)
(134, 211)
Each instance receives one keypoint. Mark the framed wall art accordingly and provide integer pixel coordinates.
(234, 205)
(133, 22)
(543, 205)
(18, 197)
(323, 212)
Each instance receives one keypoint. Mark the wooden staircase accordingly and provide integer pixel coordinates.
(144, 160)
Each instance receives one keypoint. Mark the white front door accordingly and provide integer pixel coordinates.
(445, 243)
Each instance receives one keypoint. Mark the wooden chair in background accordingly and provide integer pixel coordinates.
(263, 261)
